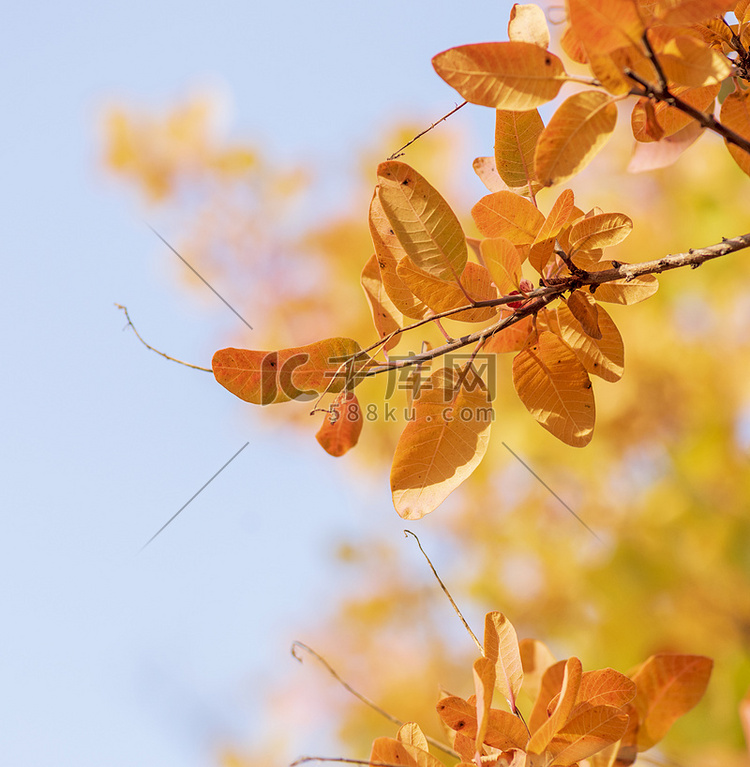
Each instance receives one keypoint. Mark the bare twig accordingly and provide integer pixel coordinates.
(446, 592)
(374, 706)
(399, 152)
(148, 346)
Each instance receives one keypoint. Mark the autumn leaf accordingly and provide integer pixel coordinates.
(267, 377)
(543, 246)
(443, 444)
(342, 425)
(576, 133)
(504, 730)
(513, 75)
(668, 685)
(411, 734)
(735, 114)
(601, 231)
(555, 388)
(505, 214)
(666, 151)
(690, 62)
(585, 311)
(485, 169)
(385, 316)
(670, 120)
(604, 25)
(503, 263)
(501, 647)
(510, 339)
(690, 11)
(549, 687)
(528, 25)
(392, 751)
(516, 135)
(535, 660)
(423, 221)
(606, 687)
(587, 733)
(484, 686)
(626, 292)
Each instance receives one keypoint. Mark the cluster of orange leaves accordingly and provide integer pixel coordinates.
(674, 53)
(602, 716)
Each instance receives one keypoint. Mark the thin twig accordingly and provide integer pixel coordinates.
(399, 152)
(446, 592)
(374, 706)
(148, 346)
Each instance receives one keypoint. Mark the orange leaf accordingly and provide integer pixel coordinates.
(444, 443)
(543, 248)
(528, 25)
(442, 296)
(627, 293)
(505, 214)
(516, 134)
(535, 660)
(423, 221)
(512, 75)
(342, 426)
(587, 733)
(550, 686)
(484, 685)
(264, 378)
(485, 169)
(555, 388)
(609, 68)
(392, 751)
(503, 263)
(669, 685)
(501, 647)
(604, 356)
(662, 153)
(585, 310)
(601, 231)
(670, 119)
(504, 730)
(577, 131)
(389, 252)
(604, 25)
(412, 735)
(606, 687)
(735, 114)
(458, 714)
(690, 11)
(691, 62)
(385, 316)
(511, 339)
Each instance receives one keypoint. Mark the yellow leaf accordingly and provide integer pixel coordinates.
(606, 687)
(735, 114)
(442, 296)
(604, 25)
(587, 733)
(584, 310)
(535, 660)
(444, 443)
(528, 25)
(503, 263)
(342, 426)
(555, 388)
(505, 731)
(501, 647)
(666, 151)
(511, 339)
(505, 214)
(600, 231)
(516, 134)
(577, 131)
(690, 11)
(571, 683)
(385, 316)
(624, 292)
(605, 356)
(484, 686)
(411, 734)
(688, 61)
(423, 221)
(550, 686)
(389, 252)
(668, 685)
(544, 245)
(267, 377)
(512, 75)
(609, 68)
(392, 751)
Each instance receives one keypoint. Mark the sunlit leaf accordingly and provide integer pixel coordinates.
(503, 263)
(690, 11)
(606, 687)
(442, 296)
(504, 730)
(687, 61)
(584, 310)
(385, 316)
(535, 660)
(389, 252)
(663, 153)
(544, 245)
(555, 388)
(602, 231)
(485, 169)
(392, 751)
(501, 647)
(609, 68)
(516, 134)
(670, 119)
(411, 734)
(604, 356)
(577, 131)
(668, 685)
(505, 214)
(512, 75)
(484, 686)
(444, 443)
(550, 686)
(626, 292)
(267, 377)
(342, 426)
(735, 114)
(586, 733)
(604, 25)
(528, 25)
(510, 339)
(423, 221)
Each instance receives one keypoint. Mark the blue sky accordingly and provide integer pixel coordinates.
(111, 656)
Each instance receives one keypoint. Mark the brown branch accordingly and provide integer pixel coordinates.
(399, 152)
(148, 346)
